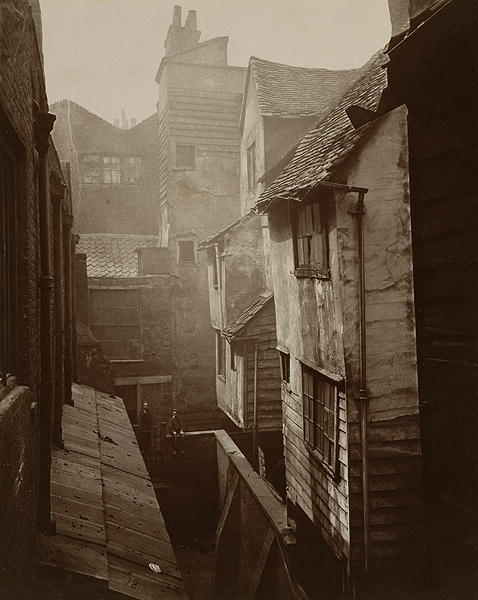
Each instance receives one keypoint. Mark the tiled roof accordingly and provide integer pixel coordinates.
(111, 255)
(331, 141)
(238, 324)
(285, 90)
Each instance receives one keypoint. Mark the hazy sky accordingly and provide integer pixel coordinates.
(104, 54)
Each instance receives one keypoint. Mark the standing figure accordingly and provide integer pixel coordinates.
(175, 428)
(146, 428)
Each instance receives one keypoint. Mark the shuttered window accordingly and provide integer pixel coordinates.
(320, 406)
(311, 244)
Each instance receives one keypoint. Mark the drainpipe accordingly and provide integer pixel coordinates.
(363, 396)
(43, 125)
(219, 283)
(60, 347)
(69, 324)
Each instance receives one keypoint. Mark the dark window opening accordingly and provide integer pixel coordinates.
(320, 406)
(285, 366)
(220, 355)
(185, 156)
(251, 167)
(187, 251)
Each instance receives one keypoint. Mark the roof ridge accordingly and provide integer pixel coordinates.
(315, 69)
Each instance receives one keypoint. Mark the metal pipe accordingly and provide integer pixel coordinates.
(43, 125)
(255, 444)
(69, 324)
(219, 283)
(363, 396)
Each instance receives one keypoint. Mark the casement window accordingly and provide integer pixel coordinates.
(185, 156)
(284, 366)
(8, 261)
(111, 169)
(107, 169)
(320, 406)
(220, 355)
(186, 251)
(311, 242)
(133, 169)
(92, 168)
(115, 319)
(251, 167)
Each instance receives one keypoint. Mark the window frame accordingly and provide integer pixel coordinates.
(184, 167)
(220, 355)
(284, 361)
(309, 221)
(107, 168)
(251, 159)
(194, 251)
(132, 171)
(316, 423)
(98, 326)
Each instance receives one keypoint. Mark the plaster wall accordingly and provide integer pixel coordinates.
(318, 322)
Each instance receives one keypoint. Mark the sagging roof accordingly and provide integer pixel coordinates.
(108, 522)
(327, 146)
(113, 255)
(284, 90)
(235, 327)
(220, 234)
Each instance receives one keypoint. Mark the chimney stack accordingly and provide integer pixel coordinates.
(181, 38)
(177, 16)
(191, 21)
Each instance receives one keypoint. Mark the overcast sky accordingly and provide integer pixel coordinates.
(104, 54)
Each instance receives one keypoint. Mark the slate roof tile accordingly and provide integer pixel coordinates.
(286, 90)
(110, 255)
(326, 146)
(238, 324)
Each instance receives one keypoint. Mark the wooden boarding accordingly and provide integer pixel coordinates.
(109, 525)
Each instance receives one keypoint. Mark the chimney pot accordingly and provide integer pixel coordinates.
(191, 21)
(177, 16)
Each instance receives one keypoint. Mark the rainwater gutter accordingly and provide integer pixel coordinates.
(43, 125)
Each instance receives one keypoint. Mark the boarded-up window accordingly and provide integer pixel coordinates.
(251, 166)
(111, 169)
(115, 321)
(220, 355)
(311, 238)
(8, 260)
(185, 156)
(320, 406)
(187, 251)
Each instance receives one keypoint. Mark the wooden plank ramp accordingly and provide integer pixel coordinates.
(108, 522)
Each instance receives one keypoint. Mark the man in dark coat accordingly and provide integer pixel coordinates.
(146, 428)
(175, 428)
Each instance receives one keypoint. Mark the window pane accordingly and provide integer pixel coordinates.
(309, 224)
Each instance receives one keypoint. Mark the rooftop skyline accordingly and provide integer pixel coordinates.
(104, 54)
